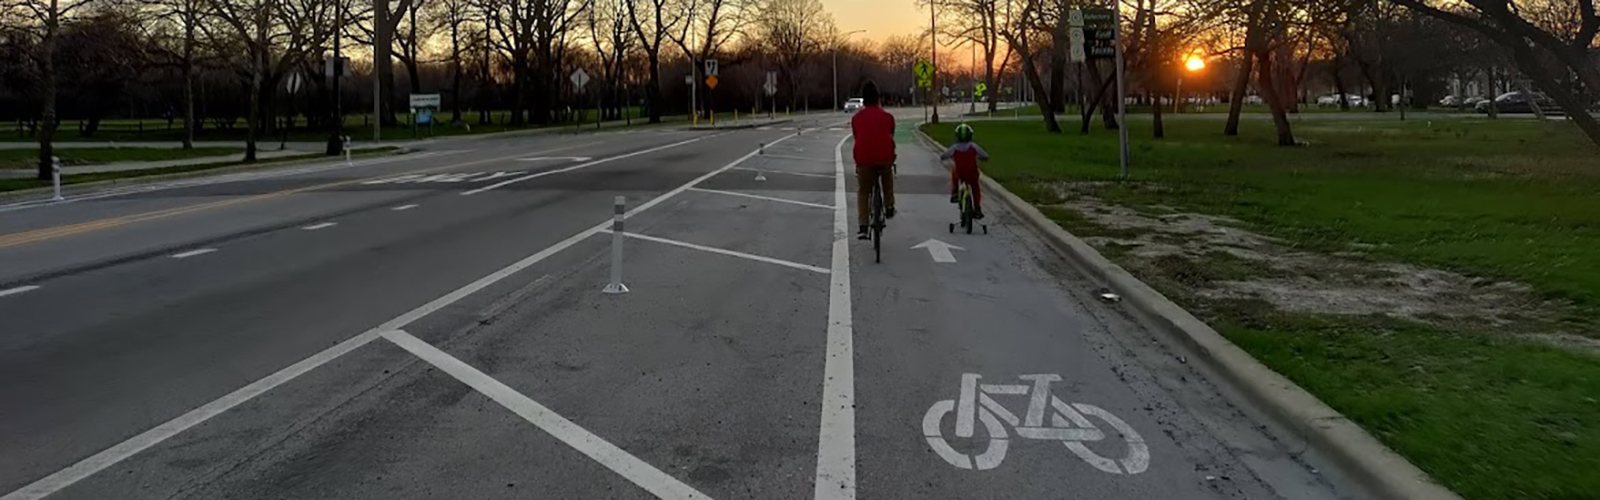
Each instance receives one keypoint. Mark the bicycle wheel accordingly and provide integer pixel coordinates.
(877, 221)
(993, 453)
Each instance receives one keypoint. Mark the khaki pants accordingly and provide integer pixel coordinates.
(865, 176)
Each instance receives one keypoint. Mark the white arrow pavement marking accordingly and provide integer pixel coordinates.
(557, 158)
(939, 250)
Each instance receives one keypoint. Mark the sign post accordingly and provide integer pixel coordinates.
(580, 78)
(422, 108)
(772, 93)
(924, 73)
(1096, 34)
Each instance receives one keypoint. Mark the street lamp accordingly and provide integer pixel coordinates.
(838, 105)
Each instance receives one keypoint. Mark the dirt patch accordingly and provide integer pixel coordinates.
(1213, 258)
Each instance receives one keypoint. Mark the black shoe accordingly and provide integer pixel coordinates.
(977, 214)
(889, 213)
(863, 234)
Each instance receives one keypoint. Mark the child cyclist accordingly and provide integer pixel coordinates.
(966, 155)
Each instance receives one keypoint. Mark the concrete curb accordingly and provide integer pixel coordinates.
(1380, 470)
(741, 126)
(25, 195)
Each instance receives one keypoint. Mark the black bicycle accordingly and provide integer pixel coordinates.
(878, 219)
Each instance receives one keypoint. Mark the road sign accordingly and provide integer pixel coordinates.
(1075, 40)
(924, 71)
(711, 67)
(711, 81)
(772, 83)
(580, 78)
(419, 101)
(292, 84)
(1099, 38)
(343, 69)
(979, 89)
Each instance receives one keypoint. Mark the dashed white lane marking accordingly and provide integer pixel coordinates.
(402, 208)
(121, 451)
(716, 250)
(18, 290)
(583, 165)
(836, 437)
(88, 466)
(192, 253)
(638, 471)
(802, 174)
(315, 227)
(759, 197)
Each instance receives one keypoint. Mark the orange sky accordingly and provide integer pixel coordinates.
(882, 18)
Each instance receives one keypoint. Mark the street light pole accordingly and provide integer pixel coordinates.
(933, 44)
(836, 104)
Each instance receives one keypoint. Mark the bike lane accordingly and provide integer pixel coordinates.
(1003, 314)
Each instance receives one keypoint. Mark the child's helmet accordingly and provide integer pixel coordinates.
(963, 133)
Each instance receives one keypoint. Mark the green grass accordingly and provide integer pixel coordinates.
(1491, 415)
(29, 158)
(20, 184)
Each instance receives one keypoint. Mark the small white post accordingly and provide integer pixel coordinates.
(761, 177)
(55, 175)
(616, 287)
(346, 140)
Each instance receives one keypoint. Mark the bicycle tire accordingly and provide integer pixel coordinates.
(877, 220)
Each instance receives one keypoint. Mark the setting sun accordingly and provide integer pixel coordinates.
(1195, 63)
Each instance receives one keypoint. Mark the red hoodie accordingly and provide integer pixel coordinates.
(874, 130)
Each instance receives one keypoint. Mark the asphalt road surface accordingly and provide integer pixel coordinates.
(433, 325)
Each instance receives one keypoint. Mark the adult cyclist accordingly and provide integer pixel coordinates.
(874, 154)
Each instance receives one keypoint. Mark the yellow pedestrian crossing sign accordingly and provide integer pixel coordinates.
(924, 71)
(980, 88)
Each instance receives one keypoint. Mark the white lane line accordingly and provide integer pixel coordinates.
(324, 225)
(716, 250)
(638, 471)
(403, 208)
(583, 165)
(18, 290)
(99, 461)
(836, 437)
(759, 197)
(802, 174)
(66, 477)
(193, 253)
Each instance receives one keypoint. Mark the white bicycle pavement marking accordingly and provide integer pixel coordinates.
(121, 451)
(1069, 423)
(742, 255)
(638, 471)
(767, 198)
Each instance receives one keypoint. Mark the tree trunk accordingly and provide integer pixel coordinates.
(519, 83)
(1031, 71)
(652, 91)
(1155, 114)
(1338, 83)
(258, 65)
(188, 75)
(455, 72)
(47, 83)
(383, 61)
(1573, 105)
(1275, 99)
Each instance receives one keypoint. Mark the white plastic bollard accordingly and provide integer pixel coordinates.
(346, 144)
(616, 287)
(761, 177)
(55, 175)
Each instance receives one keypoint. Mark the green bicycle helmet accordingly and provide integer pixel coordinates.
(964, 133)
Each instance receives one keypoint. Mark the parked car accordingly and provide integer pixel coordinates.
(1450, 101)
(1332, 100)
(1519, 102)
(1253, 99)
(854, 105)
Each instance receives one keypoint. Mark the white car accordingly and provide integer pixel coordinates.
(854, 105)
(1332, 100)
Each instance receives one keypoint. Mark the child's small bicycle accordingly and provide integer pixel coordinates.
(969, 210)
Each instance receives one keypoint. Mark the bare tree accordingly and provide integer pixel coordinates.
(979, 22)
(40, 22)
(654, 21)
(1026, 32)
(710, 25)
(1550, 42)
(614, 38)
(275, 36)
(792, 31)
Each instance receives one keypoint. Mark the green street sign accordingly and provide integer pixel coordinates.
(1099, 33)
(980, 88)
(924, 72)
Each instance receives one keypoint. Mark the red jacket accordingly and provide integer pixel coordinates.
(874, 130)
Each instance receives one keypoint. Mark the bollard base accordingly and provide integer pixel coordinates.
(760, 177)
(615, 289)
